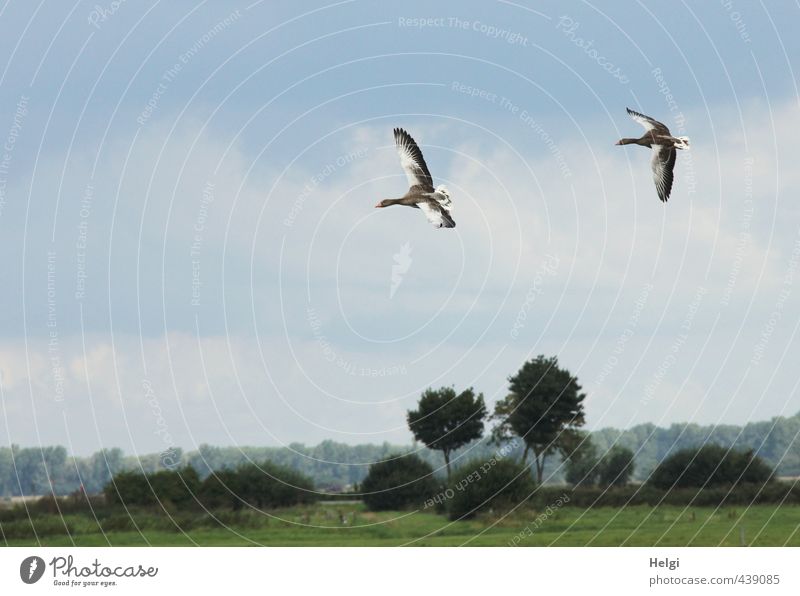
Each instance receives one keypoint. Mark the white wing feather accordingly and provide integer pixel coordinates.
(437, 218)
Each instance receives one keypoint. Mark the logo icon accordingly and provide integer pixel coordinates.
(31, 569)
(402, 263)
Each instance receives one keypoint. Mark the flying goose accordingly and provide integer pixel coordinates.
(434, 202)
(664, 144)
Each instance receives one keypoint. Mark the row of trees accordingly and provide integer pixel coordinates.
(544, 408)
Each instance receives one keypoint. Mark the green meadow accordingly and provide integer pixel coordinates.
(349, 524)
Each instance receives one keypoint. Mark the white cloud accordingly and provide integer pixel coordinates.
(353, 377)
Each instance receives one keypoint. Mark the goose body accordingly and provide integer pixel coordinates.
(435, 203)
(658, 137)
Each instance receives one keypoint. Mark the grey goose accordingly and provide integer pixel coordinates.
(658, 137)
(435, 203)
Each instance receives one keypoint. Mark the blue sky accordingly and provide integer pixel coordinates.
(192, 254)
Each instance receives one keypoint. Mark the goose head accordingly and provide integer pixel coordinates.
(682, 143)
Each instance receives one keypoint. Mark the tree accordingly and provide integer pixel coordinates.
(616, 467)
(397, 483)
(445, 421)
(581, 459)
(544, 402)
(710, 465)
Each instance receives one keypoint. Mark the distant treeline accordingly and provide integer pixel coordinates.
(336, 466)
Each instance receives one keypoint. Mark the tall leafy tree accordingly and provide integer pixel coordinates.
(544, 407)
(445, 421)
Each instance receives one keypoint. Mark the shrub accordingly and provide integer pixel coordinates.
(36, 527)
(269, 485)
(710, 466)
(221, 489)
(491, 484)
(261, 485)
(165, 487)
(398, 483)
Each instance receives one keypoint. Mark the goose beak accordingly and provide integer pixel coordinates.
(378, 206)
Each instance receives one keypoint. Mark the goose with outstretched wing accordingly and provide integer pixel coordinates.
(435, 203)
(658, 137)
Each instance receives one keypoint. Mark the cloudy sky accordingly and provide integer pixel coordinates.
(191, 253)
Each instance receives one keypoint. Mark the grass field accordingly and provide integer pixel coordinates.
(323, 525)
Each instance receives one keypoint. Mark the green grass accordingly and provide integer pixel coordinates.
(320, 525)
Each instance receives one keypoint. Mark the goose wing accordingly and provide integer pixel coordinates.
(662, 163)
(412, 161)
(650, 125)
(436, 214)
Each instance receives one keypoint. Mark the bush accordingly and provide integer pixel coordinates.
(165, 487)
(266, 485)
(221, 489)
(710, 466)
(36, 528)
(262, 485)
(490, 484)
(398, 483)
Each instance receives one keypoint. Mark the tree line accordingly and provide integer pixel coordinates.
(450, 429)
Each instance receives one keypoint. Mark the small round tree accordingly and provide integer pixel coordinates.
(398, 483)
(445, 421)
(581, 460)
(616, 467)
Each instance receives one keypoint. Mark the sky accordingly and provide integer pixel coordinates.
(192, 255)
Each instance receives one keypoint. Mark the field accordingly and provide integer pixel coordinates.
(348, 524)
